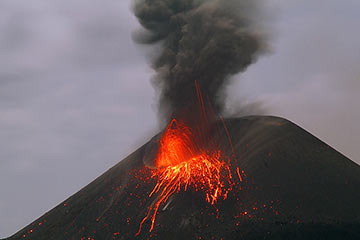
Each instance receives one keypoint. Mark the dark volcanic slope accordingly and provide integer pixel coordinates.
(297, 187)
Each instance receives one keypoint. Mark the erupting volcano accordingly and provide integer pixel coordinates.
(204, 177)
(189, 158)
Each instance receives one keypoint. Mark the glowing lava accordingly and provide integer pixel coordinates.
(176, 145)
(189, 158)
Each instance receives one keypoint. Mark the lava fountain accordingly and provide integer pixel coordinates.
(191, 158)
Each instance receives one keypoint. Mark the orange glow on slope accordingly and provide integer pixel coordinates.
(189, 158)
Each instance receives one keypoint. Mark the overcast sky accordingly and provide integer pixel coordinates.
(75, 95)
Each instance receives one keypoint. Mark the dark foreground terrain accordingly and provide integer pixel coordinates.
(295, 187)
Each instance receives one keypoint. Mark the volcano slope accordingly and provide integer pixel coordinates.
(294, 186)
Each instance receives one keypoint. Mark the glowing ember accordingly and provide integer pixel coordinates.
(188, 158)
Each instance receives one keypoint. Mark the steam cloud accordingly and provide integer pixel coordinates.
(203, 40)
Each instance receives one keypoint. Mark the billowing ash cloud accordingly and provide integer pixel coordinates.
(203, 40)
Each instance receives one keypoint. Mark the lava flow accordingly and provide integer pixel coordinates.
(190, 158)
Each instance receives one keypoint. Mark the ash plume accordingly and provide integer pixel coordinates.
(206, 41)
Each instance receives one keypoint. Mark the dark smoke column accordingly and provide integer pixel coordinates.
(203, 40)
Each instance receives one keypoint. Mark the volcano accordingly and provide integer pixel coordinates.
(285, 184)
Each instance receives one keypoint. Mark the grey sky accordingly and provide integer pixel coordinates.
(75, 95)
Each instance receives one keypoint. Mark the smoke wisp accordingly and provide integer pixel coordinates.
(206, 41)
